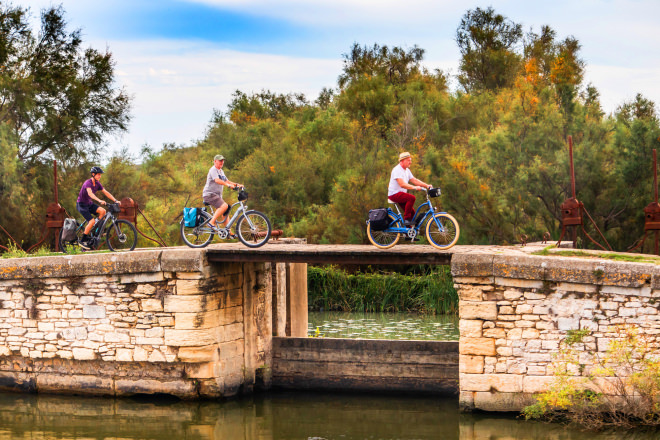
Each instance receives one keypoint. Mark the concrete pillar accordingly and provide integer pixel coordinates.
(279, 299)
(296, 300)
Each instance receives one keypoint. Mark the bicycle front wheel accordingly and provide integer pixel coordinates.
(442, 231)
(67, 246)
(383, 239)
(198, 236)
(253, 229)
(122, 236)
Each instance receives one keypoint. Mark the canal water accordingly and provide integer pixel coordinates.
(276, 416)
(383, 326)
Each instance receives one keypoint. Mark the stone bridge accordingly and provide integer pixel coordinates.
(219, 321)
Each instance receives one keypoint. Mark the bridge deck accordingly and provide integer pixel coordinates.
(335, 254)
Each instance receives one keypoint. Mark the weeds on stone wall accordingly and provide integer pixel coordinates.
(426, 290)
(15, 252)
(620, 390)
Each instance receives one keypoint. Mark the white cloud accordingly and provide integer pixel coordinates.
(176, 85)
(618, 84)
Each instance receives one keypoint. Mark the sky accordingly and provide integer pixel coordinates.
(180, 60)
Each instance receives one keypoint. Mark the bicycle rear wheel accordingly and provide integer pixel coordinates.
(383, 239)
(122, 236)
(198, 236)
(255, 232)
(442, 231)
(67, 246)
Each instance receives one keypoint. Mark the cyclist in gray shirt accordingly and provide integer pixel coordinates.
(215, 183)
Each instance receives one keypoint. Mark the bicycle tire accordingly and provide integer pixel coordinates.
(446, 238)
(125, 241)
(256, 235)
(382, 239)
(196, 237)
(67, 246)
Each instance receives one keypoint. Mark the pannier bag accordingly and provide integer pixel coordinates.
(69, 229)
(378, 219)
(190, 217)
(434, 192)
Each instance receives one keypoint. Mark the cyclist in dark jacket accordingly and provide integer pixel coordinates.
(85, 203)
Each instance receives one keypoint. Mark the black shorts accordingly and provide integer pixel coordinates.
(87, 211)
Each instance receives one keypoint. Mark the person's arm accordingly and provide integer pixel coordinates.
(420, 183)
(110, 196)
(93, 197)
(228, 183)
(402, 184)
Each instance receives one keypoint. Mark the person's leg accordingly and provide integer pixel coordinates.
(219, 212)
(218, 204)
(86, 212)
(88, 228)
(407, 202)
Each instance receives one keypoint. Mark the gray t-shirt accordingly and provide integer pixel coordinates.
(211, 187)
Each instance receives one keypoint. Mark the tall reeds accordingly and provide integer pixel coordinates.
(423, 290)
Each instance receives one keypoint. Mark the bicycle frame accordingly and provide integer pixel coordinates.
(242, 209)
(102, 228)
(430, 212)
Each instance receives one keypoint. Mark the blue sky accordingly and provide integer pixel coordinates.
(180, 59)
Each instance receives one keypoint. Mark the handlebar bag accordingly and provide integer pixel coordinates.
(378, 219)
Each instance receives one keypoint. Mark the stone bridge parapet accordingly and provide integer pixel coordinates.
(149, 321)
(515, 309)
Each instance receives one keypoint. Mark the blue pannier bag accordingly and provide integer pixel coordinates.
(190, 217)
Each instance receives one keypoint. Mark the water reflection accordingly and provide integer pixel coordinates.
(282, 416)
(384, 326)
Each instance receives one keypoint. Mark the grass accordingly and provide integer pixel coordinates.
(631, 258)
(425, 290)
(43, 251)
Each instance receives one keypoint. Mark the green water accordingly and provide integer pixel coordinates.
(384, 326)
(276, 416)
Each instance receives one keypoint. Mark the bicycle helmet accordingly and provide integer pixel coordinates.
(96, 170)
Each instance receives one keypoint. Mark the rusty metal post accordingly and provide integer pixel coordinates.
(651, 214)
(570, 155)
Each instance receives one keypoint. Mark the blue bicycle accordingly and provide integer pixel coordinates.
(386, 227)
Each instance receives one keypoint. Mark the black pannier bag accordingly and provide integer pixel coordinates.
(378, 219)
(69, 229)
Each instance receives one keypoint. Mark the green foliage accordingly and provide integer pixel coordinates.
(621, 389)
(497, 148)
(487, 41)
(427, 291)
(59, 100)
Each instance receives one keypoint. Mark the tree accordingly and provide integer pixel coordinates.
(487, 41)
(58, 99)
(395, 65)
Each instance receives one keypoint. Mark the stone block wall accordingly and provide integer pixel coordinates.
(153, 321)
(515, 309)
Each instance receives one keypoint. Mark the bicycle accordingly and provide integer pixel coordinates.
(441, 228)
(120, 235)
(253, 228)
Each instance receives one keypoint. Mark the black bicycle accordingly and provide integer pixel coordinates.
(120, 235)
